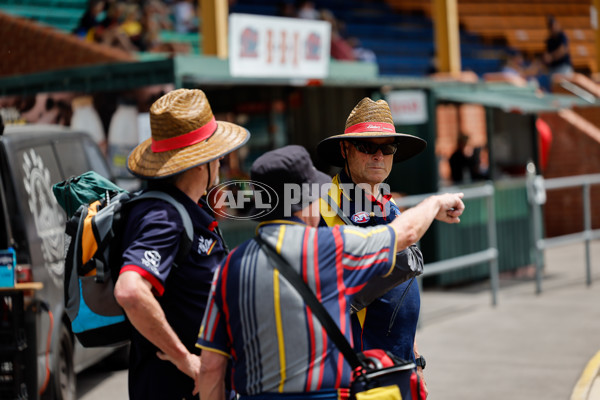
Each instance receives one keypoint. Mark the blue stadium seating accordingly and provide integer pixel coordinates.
(404, 44)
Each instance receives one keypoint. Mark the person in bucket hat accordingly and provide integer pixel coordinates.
(260, 324)
(385, 311)
(165, 303)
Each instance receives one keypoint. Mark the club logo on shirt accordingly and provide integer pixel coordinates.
(205, 245)
(360, 217)
(151, 260)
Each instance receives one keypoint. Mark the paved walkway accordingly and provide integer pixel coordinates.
(527, 347)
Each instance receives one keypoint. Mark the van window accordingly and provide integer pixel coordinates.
(72, 157)
(96, 159)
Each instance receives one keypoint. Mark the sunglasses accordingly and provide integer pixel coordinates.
(371, 148)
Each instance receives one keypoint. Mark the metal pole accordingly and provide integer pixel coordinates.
(492, 243)
(536, 229)
(587, 226)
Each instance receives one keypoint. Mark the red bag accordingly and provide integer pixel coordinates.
(384, 369)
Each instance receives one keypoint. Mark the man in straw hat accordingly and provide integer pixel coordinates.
(366, 152)
(164, 302)
(254, 317)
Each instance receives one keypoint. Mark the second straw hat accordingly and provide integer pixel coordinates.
(370, 119)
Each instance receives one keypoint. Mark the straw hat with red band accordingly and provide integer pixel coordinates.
(185, 134)
(370, 119)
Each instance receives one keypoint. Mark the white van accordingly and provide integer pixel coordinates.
(32, 159)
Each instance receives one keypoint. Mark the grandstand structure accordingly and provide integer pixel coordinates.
(400, 32)
(522, 25)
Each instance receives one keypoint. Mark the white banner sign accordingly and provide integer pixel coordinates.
(276, 47)
(409, 107)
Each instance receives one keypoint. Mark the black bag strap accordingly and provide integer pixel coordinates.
(337, 210)
(334, 333)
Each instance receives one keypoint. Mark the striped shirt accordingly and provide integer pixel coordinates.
(255, 316)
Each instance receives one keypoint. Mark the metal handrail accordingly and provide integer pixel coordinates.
(536, 190)
(489, 255)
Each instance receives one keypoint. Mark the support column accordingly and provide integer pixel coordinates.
(447, 37)
(213, 15)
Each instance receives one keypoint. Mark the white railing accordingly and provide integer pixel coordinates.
(489, 255)
(536, 194)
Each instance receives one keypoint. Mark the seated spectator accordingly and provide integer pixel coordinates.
(287, 9)
(307, 10)
(516, 70)
(160, 14)
(90, 20)
(132, 26)
(340, 48)
(184, 13)
(361, 53)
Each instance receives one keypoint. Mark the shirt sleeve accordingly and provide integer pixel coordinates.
(213, 331)
(367, 253)
(151, 242)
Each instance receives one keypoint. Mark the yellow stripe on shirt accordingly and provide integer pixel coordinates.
(278, 322)
(365, 235)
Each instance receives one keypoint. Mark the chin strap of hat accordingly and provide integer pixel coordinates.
(208, 182)
(345, 156)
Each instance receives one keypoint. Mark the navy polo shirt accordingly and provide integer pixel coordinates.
(151, 241)
(390, 323)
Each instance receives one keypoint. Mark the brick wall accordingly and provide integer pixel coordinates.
(573, 152)
(28, 47)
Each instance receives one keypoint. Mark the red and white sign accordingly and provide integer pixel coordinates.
(409, 107)
(276, 47)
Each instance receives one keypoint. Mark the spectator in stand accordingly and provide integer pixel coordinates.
(184, 13)
(90, 19)
(132, 26)
(340, 48)
(307, 10)
(287, 9)
(361, 53)
(557, 56)
(160, 14)
(516, 70)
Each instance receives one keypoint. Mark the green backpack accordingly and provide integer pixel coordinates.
(97, 210)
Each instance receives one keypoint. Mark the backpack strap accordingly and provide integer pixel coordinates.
(185, 245)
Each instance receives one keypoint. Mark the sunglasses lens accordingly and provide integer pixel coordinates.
(366, 147)
(388, 149)
(371, 148)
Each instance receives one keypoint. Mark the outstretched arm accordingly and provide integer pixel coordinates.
(411, 225)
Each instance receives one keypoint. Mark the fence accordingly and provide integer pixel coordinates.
(488, 255)
(536, 189)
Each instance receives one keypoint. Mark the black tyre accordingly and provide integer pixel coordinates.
(63, 373)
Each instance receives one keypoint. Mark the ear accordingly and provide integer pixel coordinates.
(343, 148)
